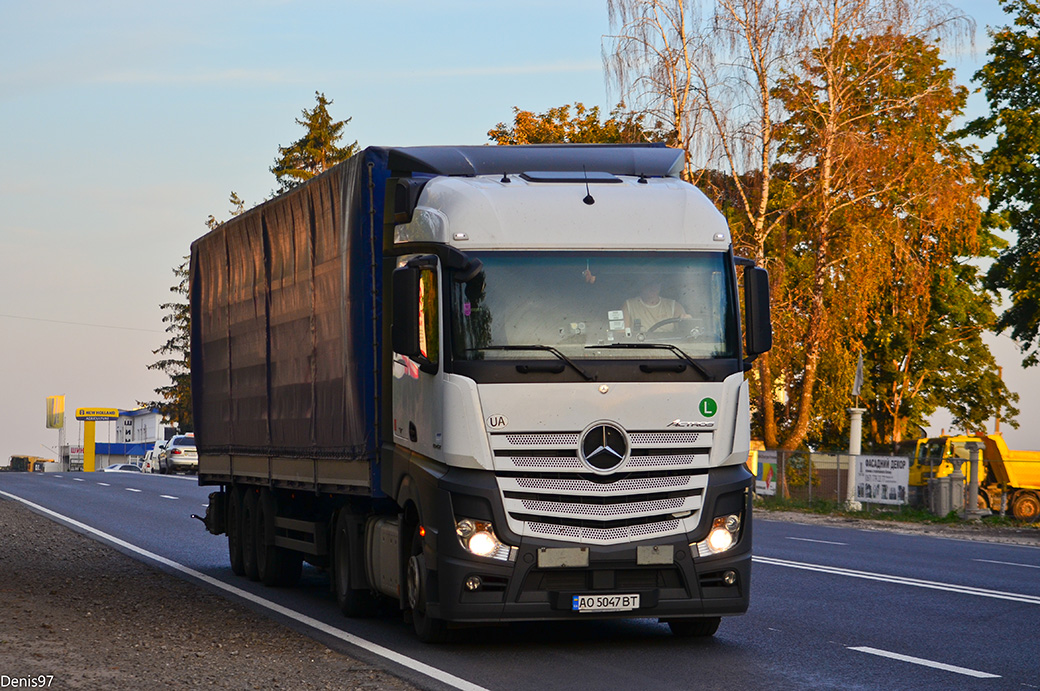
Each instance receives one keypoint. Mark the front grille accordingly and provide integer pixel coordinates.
(606, 535)
(549, 491)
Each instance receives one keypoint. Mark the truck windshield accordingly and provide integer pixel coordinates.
(596, 306)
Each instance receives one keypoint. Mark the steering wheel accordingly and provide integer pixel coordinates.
(663, 322)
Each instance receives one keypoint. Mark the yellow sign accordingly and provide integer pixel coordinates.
(97, 413)
(55, 412)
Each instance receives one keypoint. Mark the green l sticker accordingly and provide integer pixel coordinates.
(709, 407)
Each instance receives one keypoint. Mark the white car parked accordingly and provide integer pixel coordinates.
(151, 462)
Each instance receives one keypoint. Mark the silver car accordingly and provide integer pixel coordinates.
(181, 454)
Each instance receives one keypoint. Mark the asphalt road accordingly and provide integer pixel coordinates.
(830, 608)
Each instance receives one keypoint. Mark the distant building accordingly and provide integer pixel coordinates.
(136, 431)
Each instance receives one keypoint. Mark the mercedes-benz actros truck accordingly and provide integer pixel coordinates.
(492, 384)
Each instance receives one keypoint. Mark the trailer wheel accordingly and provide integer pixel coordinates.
(234, 531)
(694, 628)
(249, 502)
(427, 628)
(1026, 507)
(275, 566)
(352, 602)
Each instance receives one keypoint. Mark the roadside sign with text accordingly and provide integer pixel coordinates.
(97, 414)
(882, 479)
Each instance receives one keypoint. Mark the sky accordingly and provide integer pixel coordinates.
(125, 124)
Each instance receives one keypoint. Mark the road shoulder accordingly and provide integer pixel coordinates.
(94, 617)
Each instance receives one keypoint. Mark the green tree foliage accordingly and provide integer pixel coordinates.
(175, 398)
(557, 126)
(316, 151)
(890, 209)
(921, 359)
(1011, 81)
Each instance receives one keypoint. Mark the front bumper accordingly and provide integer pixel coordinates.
(686, 585)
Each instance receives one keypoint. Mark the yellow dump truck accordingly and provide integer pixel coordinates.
(31, 464)
(1002, 469)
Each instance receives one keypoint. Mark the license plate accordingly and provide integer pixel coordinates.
(605, 603)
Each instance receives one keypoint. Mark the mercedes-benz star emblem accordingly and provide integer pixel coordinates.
(604, 447)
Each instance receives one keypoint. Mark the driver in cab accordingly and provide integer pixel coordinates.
(648, 309)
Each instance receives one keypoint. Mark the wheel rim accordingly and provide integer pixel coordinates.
(1027, 508)
(414, 582)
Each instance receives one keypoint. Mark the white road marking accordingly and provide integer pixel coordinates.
(167, 496)
(900, 580)
(927, 663)
(104, 484)
(1007, 563)
(131, 489)
(386, 653)
(822, 542)
(78, 479)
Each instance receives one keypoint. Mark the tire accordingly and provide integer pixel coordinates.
(353, 602)
(249, 507)
(694, 628)
(275, 566)
(427, 628)
(1026, 506)
(234, 531)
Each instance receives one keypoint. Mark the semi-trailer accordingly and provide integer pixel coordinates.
(492, 384)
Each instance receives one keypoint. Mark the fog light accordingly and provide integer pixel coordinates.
(729, 578)
(473, 583)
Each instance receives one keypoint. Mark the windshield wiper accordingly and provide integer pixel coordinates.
(546, 348)
(679, 352)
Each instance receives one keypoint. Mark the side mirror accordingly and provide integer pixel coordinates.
(758, 326)
(413, 330)
(405, 327)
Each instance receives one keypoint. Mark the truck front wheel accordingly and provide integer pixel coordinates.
(1026, 507)
(427, 628)
(694, 628)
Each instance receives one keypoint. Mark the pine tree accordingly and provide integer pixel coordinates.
(175, 398)
(314, 152)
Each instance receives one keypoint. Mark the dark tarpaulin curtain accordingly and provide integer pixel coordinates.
(282, 316)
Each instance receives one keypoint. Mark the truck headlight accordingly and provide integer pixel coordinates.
(724, 533)
(478, 537)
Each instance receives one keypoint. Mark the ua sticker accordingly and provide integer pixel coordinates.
(708, 407)
(497, 421)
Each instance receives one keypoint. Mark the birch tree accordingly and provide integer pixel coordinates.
(806, 106)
